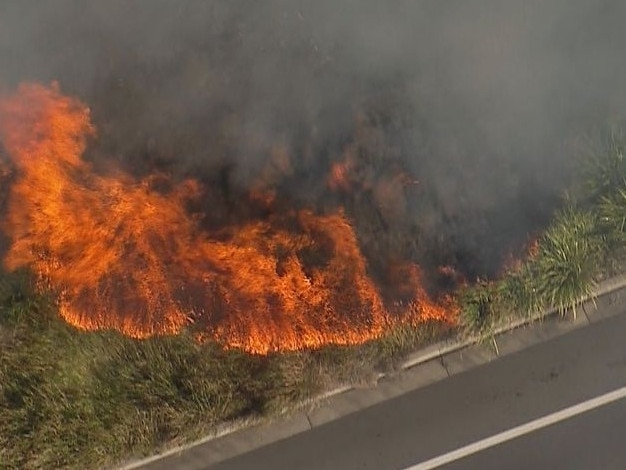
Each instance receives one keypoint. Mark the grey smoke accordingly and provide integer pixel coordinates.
(484, 102)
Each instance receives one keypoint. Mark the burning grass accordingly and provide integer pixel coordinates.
(87, 399)
(123, 255)
(110, 251)
(76, 398)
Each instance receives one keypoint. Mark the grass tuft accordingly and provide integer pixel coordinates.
(477, 305)
(568, 260)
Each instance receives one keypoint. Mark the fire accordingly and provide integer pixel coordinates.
(514, 261)
(123, 255)
(338, 177)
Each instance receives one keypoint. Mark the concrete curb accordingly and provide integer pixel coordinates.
(434, 352)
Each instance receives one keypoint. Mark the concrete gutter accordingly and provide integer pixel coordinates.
(424, 367)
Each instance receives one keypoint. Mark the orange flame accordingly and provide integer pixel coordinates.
(514, 261)
(124, 256)
(338, 178)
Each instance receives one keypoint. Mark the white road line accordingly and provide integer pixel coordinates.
(521, 430)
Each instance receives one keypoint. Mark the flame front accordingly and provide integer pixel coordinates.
(125, 256)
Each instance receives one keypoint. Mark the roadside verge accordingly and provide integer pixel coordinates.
(426, 366)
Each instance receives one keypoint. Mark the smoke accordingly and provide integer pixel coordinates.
(458, 121)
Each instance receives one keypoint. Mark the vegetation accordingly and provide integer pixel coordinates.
(81, 400)
(585, 242)
(73, 399)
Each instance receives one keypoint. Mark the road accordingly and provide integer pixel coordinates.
(474, 405)
(590, 441)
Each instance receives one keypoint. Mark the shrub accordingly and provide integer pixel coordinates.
(568, 259)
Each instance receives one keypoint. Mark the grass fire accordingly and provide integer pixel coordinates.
(121, 254)
(215, 212)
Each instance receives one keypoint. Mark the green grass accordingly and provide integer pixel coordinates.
(71, 399)
(569, 259)
(86, 398)
(477, 305)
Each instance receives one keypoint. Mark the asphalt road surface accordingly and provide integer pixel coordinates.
(589, 441)
(478, 404)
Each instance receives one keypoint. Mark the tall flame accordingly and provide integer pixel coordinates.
(125, 256)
